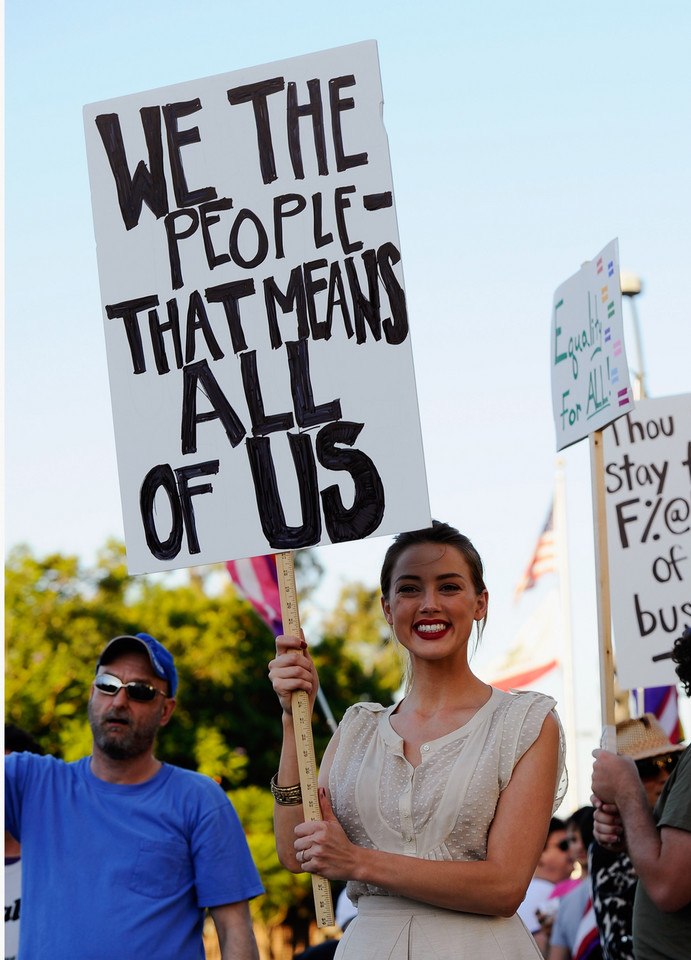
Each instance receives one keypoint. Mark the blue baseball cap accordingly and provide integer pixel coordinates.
(161, 659)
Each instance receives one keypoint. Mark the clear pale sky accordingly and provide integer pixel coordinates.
(523, 138)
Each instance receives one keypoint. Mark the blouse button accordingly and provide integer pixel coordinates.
(425, 747)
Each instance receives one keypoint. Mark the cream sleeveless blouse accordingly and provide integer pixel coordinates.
(442, 809)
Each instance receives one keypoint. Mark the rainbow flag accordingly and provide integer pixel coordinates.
(663, 702)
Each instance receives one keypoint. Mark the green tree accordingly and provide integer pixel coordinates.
(358, 623)
(254, 807)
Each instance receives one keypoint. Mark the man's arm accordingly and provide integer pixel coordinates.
(234, 928)
(661, 857)
(558, 952)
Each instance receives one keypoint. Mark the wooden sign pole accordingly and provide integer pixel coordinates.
(604, 612)
(302, 722)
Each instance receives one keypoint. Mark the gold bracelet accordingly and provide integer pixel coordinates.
(286, 796)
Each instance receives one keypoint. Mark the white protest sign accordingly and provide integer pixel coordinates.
(648, 483)
(255, 316)
(590, 374)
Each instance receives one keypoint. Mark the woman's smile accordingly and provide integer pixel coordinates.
(431, 628)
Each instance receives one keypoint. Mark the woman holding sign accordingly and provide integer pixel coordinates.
(436, 809)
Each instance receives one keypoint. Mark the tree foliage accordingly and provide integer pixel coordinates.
(357, 624)
(59, 616)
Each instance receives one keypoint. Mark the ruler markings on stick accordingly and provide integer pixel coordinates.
(304, 742)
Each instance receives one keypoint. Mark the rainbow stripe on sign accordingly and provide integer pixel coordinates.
(608, 334)
(599, 265)
(623, 397)
(610, 309)
(610, 268)
(617, 348)
(605, 293)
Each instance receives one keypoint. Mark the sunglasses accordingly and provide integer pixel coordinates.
(652, 767)
(135, 689)
(563, 845)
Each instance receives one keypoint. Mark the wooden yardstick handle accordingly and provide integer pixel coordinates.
(302, 723)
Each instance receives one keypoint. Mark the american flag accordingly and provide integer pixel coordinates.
(532, 655)
(256, 580)
(587, 943)
(543, 560)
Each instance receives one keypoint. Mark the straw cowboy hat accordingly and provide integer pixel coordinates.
(644, 737)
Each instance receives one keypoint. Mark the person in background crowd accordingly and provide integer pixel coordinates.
(122, 852)
(424, 802)
(613, 877)
(16, 741)
(345, 912)
(574, 934)
(555, 864)
(658, 842)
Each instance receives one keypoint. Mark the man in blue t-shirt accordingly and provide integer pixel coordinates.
(123, 853)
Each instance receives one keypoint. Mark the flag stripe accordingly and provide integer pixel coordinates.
(523, 680)
(256, 580)
(587, 934)
(663, 702)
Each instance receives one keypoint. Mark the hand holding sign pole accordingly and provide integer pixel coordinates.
(302, 722)
(590, 388)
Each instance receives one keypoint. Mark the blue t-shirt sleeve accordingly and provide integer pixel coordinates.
(223, 867)
(16, 770)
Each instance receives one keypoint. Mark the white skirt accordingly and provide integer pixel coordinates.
(394, 928)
